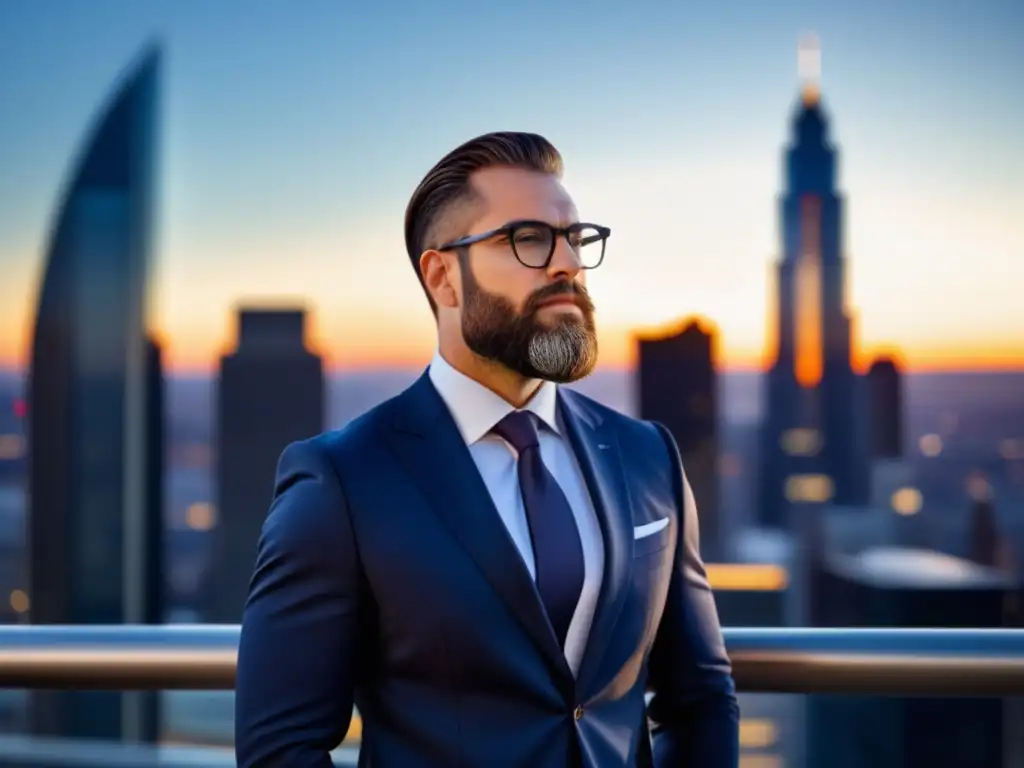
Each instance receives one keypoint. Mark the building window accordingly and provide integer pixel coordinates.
(809, 489)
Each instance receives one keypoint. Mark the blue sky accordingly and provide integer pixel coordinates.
(294, 133)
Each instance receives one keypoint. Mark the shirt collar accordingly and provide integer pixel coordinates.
(477, 409)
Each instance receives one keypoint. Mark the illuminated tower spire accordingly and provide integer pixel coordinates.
(809, 67)
(811, 384)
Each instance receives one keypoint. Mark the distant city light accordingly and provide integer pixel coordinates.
(801, 442)
(978, 487)
(747, 577)
(930, 445)
(761, 761)
(907, 501)
(200, 516)
(19, 601)
(758, 733)
(11, 447)
(809, 489)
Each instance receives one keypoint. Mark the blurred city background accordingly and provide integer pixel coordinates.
(813, 281)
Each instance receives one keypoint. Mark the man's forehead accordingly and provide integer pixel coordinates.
(511, 194)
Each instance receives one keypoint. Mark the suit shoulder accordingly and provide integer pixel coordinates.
(354, 436)
(313, 476)
(638, 432)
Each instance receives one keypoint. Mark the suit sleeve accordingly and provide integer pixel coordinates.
(296, 655)
(694, 714)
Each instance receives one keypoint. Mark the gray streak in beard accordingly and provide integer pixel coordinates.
(558, 353)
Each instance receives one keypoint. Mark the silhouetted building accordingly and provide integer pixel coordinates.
(270, 394)
(885, 405)
(984, 542)
(95, 437)
(895, 587)
(156, 468)
(814, 441)
(678, 387)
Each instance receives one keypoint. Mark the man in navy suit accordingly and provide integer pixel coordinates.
(493, 569)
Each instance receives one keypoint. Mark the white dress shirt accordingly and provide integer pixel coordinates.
(476, 410)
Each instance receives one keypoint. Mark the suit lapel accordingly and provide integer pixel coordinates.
(597, 451)
(430, 447)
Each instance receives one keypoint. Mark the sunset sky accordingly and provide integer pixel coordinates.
(293, 135)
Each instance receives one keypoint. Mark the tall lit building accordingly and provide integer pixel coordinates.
(678, 387)
(95, 432)
(270, 393)
(814, 440)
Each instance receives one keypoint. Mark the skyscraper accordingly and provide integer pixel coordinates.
(271, 393)
(985, 542)
(813, 442)
(885, 403)
(94, 438)
(678, 386)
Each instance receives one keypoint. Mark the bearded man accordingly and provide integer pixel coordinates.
(494, 569)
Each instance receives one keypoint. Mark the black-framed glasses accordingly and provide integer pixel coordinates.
(533, 242)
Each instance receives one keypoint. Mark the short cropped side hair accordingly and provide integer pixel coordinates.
(447, 184)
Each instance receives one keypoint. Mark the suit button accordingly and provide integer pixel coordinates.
(578, 713)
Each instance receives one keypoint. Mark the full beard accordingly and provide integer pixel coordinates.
(562, 350)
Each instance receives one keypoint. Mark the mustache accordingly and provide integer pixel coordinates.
(578, 293)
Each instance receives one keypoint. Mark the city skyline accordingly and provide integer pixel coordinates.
(689, 184)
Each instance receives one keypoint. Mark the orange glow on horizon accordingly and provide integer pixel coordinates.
(401, 344)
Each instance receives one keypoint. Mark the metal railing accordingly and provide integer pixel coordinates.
(939, 662)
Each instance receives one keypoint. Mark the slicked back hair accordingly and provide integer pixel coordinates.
(447, 184)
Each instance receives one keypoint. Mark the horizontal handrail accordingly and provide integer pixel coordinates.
(56, 752)
(942, 662)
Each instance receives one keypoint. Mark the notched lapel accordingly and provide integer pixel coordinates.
(597, 451)
(430, 447)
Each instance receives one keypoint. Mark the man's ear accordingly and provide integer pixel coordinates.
(441, 278)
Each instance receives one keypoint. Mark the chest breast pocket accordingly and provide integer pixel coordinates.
(650, 538)
(653, 554)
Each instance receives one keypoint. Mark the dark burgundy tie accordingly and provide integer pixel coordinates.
(557, 550)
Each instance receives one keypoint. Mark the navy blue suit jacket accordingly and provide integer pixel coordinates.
(385, 578)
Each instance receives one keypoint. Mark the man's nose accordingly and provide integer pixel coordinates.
(565, 262)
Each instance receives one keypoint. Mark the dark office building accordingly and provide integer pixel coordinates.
(94, 430)
(678, 387)
(885, 405)
(270, 394)
(892, 587)
(156, 467)
(984, 540)
(814, 405)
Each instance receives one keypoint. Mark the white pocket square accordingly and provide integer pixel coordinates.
(647, 529)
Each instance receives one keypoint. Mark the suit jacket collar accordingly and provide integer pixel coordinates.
(477, 409)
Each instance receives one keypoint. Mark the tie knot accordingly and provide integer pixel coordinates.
(519, 429)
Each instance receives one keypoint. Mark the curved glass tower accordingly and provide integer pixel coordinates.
(93, 430)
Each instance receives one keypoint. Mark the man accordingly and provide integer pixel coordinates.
(493, 569)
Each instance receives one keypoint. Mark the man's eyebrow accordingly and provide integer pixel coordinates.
(568, 222)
